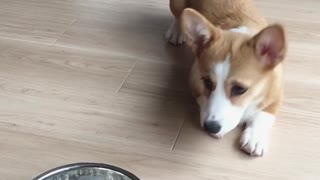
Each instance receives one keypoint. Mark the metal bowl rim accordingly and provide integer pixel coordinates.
(73, 166)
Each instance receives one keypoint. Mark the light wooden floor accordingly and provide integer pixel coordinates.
(93, 80)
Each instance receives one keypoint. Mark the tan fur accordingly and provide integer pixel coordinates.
(263, 82)
(226, 14)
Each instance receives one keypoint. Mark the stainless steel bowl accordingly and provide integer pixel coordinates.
(87, 171)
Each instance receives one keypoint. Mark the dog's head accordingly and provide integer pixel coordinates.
(236, 69)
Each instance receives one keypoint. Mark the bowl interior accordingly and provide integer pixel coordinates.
(87, 172)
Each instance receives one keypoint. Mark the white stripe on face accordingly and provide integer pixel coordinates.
(243, 29)
(220, 108)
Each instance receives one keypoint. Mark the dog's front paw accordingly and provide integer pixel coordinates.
(173, 35)
(254, 142)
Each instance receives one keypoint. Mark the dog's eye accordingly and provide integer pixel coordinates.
(238, 90)
(208, 83)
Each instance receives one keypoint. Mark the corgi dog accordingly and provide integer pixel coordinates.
(237, 73)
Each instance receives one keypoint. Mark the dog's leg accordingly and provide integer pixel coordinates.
(255, 138)
(174, 35)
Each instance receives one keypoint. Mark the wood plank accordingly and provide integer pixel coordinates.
(37, 20)
(73, 95)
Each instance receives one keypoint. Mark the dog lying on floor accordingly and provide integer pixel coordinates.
(237, 73)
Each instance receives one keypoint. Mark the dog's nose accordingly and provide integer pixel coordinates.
(212, 127)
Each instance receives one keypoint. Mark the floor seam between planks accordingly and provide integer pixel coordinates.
(126, 78)
(68, 27)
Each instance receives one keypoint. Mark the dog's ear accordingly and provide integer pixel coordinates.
(270, 46)
(199, 31)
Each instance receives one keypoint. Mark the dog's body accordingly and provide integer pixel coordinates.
(237, 74)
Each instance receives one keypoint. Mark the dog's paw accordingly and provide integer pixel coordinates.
(254, 142)
(173, 34)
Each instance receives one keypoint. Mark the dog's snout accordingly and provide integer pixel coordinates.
(212, 127)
